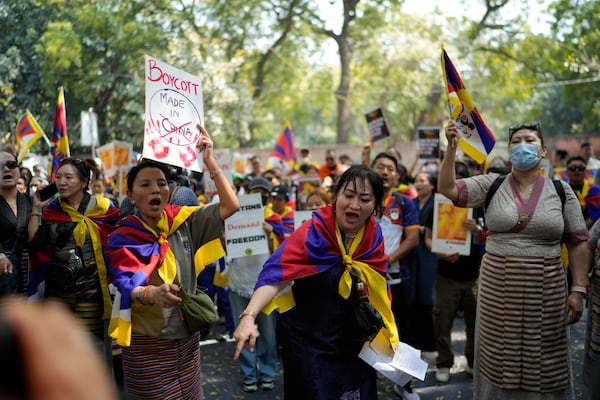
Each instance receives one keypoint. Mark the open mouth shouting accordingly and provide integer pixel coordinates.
(155, 203)
(351, 217)
(8, 178)
(7, 175)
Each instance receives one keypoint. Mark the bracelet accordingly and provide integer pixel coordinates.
(138, 296)
(215, 173)
(579, 289)
(245, 313)
(144, 295)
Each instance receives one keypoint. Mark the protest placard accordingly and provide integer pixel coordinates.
(225, 164)
(106, 154)
(174, 107)
(378, 129)
(123, 151)
(428, 143)
(449, 233)
(301, 216)
(244, 233)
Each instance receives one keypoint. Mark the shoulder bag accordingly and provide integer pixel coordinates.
(198, 310)
(366, 320)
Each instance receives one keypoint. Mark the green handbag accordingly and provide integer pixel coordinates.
(198, 310)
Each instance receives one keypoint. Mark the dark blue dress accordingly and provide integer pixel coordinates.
(320, 359)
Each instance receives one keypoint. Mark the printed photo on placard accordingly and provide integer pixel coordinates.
(428, 143)
(378, 128)
(449, 232)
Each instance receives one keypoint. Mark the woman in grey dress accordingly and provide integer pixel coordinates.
(521, 344)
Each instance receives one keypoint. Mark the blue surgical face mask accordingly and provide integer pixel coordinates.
(524, 156)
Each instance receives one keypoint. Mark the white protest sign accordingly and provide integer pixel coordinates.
(174, 107)
(449, 233)
(244, 233)
(300, 216)
(223, 159)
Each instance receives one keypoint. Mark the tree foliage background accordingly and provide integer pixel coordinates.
(320, 64)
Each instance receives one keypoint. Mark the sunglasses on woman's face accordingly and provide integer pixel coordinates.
(574, 168)
(12, 164)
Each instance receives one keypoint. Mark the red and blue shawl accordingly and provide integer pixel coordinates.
(99, 222)
(315, 247)
(287, 217)
(135, 249)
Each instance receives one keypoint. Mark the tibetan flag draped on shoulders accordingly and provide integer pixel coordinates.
(96, 224)
(316, 246)
(475, 138)
(276, 222)
(28, 132)
(284, 154)
(135, 249)
(60, 141)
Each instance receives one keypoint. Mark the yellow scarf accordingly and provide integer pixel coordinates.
(378, 295)
(86, 224)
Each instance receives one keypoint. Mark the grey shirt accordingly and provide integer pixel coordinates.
(542, 235)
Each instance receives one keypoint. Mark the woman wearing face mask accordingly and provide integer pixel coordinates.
(521, 344)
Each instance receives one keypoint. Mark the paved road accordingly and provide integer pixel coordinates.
(222, 382)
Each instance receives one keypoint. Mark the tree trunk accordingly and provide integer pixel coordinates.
(343, 90)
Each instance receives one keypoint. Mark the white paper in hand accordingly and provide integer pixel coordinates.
(399, 367)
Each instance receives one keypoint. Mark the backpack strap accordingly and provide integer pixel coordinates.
(492, 190)
(560, 190)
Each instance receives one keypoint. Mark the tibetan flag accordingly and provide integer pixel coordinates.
(475, 138)
(95, 226)
(60, 141)
(284, 153)
(135, 249)
(317, 246)
(28, 132)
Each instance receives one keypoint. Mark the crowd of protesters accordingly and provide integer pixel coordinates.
(532, 268)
